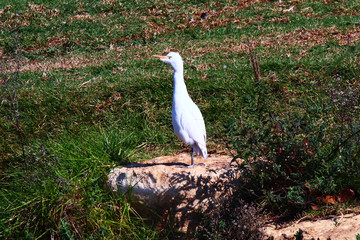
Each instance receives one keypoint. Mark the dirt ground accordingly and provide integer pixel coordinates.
(344, 227)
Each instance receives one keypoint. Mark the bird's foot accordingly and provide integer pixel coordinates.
(196, 165)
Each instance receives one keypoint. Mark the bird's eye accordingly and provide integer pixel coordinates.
(169, 57)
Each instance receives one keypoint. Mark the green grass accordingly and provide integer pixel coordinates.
(109, 103)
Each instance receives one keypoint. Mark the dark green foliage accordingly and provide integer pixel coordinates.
(296, 151)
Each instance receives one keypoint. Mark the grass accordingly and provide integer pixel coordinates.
(91, 97)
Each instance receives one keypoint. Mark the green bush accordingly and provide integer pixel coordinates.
(294, 151)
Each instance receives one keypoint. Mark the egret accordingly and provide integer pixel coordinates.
(187, 120)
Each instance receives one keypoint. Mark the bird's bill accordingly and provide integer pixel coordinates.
(161, 57)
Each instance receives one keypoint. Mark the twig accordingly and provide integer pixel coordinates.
(337, 148)
(254, 61)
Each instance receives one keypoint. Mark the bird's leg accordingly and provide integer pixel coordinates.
(192, 157)
(192, 160)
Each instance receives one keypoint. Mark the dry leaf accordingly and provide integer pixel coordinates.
(328, 199)
(314, 207)
(345, 195)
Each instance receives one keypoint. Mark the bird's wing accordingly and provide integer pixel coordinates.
(193, 123)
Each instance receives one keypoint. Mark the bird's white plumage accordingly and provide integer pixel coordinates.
(187, 120)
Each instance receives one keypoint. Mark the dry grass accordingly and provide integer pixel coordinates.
(61, 63)
(301, 37)
(161, 19)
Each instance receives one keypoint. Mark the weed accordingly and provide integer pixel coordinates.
(299, 235)
(9, 82)
(234, 219)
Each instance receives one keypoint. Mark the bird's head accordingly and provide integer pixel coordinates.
(172, 58)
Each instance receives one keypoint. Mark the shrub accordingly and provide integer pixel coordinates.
(233, 219)
(295, 151)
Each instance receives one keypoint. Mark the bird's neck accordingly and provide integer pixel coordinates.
(180, 90)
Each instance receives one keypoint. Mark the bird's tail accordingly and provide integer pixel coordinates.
(201, 150)
(204, 153)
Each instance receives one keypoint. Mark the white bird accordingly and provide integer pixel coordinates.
(187, 120)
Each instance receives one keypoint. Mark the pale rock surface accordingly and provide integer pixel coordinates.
(174, 190)
(343, 227)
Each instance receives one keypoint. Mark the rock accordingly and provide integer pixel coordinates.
(172, 189)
